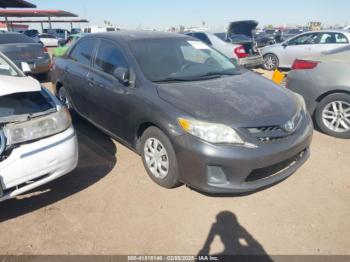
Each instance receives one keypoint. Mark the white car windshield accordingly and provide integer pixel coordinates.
(7, 69)
(179, 59)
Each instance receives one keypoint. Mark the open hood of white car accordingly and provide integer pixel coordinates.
(12, 84)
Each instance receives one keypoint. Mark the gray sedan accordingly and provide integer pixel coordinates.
(324, 82)
(186, 109)
(304, 45)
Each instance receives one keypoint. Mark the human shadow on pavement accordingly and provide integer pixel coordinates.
(236, 239)
(97, 157)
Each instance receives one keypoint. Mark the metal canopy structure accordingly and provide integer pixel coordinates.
(38, 14)
(16, 4)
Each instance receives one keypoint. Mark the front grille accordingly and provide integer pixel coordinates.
(256, 130)
(267, 134)
(273, 170)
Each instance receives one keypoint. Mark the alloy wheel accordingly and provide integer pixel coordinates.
(336, 116)
(270, 62)
(156, 158)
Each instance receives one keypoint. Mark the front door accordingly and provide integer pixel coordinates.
(299, 47)
(111, 97)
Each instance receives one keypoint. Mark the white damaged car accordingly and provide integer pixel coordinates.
(37, 140)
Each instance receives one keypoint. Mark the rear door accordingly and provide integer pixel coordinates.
(76, 73)
(332, 40)
(110, 97)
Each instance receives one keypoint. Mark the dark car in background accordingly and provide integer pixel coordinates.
(186, 109)
(324, 82)
(264, 39)
(21, 48)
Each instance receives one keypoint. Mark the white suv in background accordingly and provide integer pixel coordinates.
(37, 141)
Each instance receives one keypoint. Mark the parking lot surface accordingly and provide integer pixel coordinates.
(109, 205)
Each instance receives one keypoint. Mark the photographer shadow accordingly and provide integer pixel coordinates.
(237, 241)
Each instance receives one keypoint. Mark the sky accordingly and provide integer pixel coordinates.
(162, 14)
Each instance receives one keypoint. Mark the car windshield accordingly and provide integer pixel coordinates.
(6, 69)
(179, 59)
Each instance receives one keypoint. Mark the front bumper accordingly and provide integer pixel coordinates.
(232, 169)
(251, 61)
(34, 164)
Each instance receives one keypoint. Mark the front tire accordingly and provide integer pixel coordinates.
(159, 158)
(271, 62)
(63, 97)
(332, 115)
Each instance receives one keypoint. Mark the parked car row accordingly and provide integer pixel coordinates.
(192, 115)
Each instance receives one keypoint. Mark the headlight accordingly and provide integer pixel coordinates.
(213, 133)
(37, 128)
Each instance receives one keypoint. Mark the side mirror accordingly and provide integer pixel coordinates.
(26, 68)
(122, 74)
(285, 44)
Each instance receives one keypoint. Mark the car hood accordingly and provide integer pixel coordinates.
(242, 28)
(242, 100)
(10, 85)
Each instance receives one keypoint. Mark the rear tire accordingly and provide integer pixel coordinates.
(159, 158)
(332, 115)
(271, 62)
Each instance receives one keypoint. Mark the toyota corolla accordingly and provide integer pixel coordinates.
(186, 109)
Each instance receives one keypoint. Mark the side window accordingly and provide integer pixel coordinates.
(202, 37)
(109, 58)
(307, 39)
(83, 51)
(333, 38)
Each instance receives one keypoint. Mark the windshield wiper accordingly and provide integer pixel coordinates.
(171, 79)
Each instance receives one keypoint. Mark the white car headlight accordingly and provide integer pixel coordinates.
(210, 132)
(37, 128)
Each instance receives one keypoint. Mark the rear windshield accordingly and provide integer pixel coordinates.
(24, 103)
(15, 39)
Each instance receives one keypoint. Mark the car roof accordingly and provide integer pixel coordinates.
(330, 31)
(135, 35)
